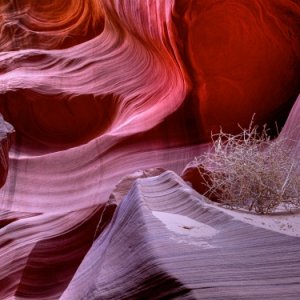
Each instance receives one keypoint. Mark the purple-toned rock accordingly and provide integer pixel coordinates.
(6, 138)
(166, 241)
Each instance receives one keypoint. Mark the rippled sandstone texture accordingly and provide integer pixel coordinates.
(100, 89)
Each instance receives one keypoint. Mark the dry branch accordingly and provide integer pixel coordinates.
(251, 171)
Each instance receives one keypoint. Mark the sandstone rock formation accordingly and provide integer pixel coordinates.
(166, 242)
(100, 89)
(6, 139)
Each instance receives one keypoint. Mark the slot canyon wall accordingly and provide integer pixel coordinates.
(99, 89)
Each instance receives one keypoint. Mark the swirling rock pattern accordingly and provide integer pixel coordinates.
(100, 89)
(48, 24)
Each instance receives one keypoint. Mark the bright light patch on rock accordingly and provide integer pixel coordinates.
(184, 225)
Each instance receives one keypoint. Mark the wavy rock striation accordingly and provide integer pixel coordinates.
(166, 241)
(72, 109)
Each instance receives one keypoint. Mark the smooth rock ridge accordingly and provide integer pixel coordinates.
(166, 242)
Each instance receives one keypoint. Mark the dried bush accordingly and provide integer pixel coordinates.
(251, 171)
